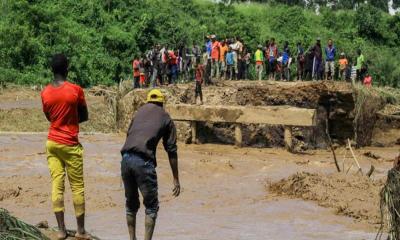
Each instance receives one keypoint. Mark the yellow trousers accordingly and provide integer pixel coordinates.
(66, 160)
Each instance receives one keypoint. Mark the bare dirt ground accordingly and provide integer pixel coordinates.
(224, 192)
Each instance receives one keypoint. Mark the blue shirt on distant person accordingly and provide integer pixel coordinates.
(230, 58)
(209, 48)
(330, 52)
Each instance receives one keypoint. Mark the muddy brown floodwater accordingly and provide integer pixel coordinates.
(223, 197)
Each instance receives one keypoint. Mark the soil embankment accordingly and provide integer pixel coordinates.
(351, 195)
(387, 128)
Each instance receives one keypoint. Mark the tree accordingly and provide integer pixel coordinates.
(369, 21)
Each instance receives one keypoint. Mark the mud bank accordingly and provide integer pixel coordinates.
(387, 127)
(334, 101)
(350, 195)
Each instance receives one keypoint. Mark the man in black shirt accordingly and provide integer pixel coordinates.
(150, 124)
(317, 65)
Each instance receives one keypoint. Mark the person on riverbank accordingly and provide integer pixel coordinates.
(317, 61)
(367, 80)
(199, 81)
(259, 59)
(136, 72)
(230, 63)
(343, 64)
(360, 66)
(272, 55)
(222, 64)
(330, 53)
(150, 124)
(300, 61)
(286, 61)
(65, 108)
(215, 57)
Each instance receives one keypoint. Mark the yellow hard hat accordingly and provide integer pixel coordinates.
(155, 95)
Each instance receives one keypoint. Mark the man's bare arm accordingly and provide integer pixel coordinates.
(169, 141)
(173, 161)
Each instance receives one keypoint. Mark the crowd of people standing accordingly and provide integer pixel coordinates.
(231, 59)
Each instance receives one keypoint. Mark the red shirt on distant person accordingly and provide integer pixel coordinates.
(173, 60)
(61, 105)
(368, 80)
(199, 73)
(136, 68)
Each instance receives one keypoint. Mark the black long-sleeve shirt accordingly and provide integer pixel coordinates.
(150, 124)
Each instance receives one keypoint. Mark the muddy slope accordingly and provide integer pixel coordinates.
(387, 128)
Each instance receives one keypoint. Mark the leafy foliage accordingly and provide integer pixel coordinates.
(101, 37)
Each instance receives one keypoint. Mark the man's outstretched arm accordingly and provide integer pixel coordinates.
(169, 141)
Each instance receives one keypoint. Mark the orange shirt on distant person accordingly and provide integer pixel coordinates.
(61, 105)
(215, 50)
(222, 51)
(343, 63)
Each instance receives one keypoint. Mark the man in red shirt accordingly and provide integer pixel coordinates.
(173, 67)
(65, 107)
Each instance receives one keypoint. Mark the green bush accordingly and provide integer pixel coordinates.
(101, 37)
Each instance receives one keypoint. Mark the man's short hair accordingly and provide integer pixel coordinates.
(59, 64)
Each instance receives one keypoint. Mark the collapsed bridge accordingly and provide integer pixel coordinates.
(286, 116)
(268, 114)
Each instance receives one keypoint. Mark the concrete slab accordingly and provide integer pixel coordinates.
(273, 115)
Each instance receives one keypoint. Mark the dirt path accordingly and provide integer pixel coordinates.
(224, 195)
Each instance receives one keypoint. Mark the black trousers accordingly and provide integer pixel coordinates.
(139, 174)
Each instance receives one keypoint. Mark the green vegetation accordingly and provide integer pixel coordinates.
(101, 37)
(12, 228)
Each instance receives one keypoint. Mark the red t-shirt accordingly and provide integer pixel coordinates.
(136, 67)
(172, 58)
(215, 50)
(368, 81)
(199, 73)
(61, 105)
